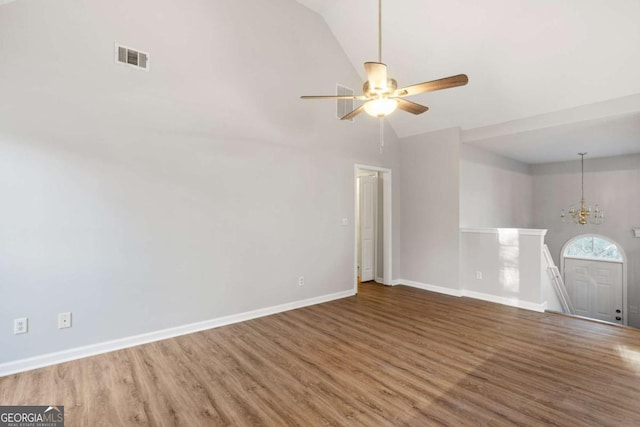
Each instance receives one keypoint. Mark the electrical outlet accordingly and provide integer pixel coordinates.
(301, 281)
(21, 325)
(478, 275)
(64, 320)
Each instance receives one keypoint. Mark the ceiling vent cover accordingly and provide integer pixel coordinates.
(132, 57)
(344, 106)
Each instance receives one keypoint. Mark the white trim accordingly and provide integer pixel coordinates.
(387, 221)
(380, 280)
(22, 365)
(586, 258)
(427, 287)
(513, 302)
(625, 308)
(521, 231)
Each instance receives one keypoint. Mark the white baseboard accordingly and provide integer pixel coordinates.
(49, 359)
(380, 280)
(426, 287)
(513, 302)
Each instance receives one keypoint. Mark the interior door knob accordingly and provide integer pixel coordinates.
(618, 318)
(618, 311)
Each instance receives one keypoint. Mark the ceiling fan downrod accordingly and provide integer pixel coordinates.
(379, 30)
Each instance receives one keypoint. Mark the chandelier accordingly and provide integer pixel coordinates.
(583, 213)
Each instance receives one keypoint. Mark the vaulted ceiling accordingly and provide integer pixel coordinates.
(524, 59)
(547, 78)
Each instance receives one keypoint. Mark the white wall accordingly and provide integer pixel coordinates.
(429, 244)
(503, 265)
(141, 201)
(495, 191)
(611, 182)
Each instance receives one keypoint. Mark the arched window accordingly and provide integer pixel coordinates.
(593, 247)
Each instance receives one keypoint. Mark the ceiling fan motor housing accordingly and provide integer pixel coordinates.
(390, 88)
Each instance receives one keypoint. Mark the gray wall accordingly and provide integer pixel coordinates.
(495, 191)
(430, 208)
(613, 183)
(141, 201)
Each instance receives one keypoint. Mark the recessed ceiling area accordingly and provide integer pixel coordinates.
(524, 59)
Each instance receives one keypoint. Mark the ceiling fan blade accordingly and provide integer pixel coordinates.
(446, 83)
(376, 75)
(411, 107)
(358, 97)
(354, 113)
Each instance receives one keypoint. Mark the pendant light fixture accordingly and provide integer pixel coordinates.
(583, 213)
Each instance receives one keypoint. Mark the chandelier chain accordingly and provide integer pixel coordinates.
(582, 172)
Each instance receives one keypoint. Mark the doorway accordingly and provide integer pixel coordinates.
(594, 272)
(372, 224)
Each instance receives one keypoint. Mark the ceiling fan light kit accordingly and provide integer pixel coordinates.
(380, 107)
(381, 95)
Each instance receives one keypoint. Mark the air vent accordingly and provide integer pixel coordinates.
(132, 57)
(344, 106)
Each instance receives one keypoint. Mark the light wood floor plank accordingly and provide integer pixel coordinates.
(389, 356)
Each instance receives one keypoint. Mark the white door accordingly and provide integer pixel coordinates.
(368, 195)
(595, 288)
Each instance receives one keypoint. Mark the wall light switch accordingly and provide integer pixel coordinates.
(478, 275)
(64, 320)
(345, 222)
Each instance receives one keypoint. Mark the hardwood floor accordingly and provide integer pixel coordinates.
(390, 356)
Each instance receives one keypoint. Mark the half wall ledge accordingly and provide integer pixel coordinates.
(504, 265)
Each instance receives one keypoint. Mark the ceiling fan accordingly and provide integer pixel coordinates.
(381, 93)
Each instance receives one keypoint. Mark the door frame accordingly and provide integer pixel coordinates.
(387, 238)
(625, 317)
